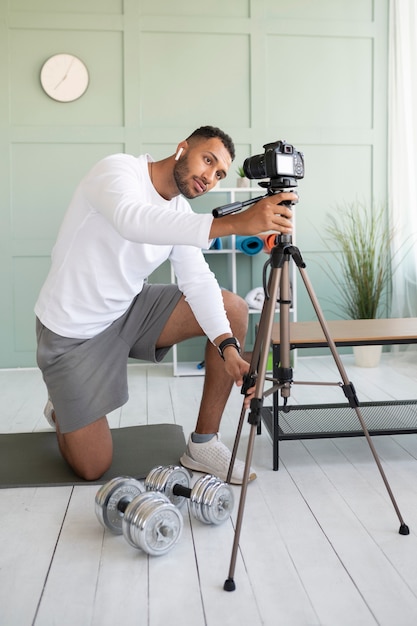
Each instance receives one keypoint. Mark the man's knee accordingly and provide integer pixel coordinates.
(236, 307)
(88, 450)
(93, 469)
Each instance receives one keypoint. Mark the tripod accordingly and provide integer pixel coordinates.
(278, 287)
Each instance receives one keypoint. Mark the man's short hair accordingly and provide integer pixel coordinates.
(208, 132)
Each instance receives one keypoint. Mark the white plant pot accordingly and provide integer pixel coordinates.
(367, 356)
(242, 182)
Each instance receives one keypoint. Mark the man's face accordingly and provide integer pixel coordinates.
(202, 166)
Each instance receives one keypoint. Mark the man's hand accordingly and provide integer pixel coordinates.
(237, 368)
(265, 215)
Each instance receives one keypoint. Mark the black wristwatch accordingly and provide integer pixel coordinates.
(230, 341)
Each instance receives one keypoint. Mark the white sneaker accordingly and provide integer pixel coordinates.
(214, 457)
(48, 413)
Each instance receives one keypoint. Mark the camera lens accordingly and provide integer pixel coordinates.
(254, 167)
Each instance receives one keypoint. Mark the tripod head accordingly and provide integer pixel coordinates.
(272, 187)
(276, 185)
(280, 162)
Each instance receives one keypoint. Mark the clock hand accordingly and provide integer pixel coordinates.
(65, 75)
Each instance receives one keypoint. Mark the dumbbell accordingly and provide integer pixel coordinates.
(147, 520)
(211, 500)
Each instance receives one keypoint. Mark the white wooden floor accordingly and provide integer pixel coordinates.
(319, 543)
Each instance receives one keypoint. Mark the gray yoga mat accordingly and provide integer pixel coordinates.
(33, 459)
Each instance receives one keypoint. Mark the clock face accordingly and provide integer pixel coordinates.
(64, 77)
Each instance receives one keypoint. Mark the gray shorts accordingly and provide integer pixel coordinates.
(87, 378)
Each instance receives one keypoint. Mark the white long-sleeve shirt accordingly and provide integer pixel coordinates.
(116, 232)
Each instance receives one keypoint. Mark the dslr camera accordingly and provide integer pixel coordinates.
(280, 162)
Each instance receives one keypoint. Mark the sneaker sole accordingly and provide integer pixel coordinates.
(191, 464)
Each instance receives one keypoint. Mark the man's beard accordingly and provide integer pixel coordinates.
(181, 173)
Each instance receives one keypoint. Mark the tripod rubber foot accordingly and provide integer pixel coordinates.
(404, 530)
(229, 585)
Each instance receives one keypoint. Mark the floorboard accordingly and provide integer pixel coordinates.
(319, 543)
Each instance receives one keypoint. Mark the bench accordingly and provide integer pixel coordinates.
(312, 421)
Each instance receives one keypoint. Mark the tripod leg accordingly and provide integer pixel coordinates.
(350, 394)
(260, 357)
(282, 366)
(255, 366)
(229, 584)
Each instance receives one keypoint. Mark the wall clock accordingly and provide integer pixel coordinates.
(64, 77)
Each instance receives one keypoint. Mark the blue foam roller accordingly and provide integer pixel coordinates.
(249, 245)
(216, 244)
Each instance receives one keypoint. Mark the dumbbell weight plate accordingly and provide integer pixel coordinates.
(218, 502)
(112, 497)
(152, 523)
(197, 496)
(211, 500)
(163, 479)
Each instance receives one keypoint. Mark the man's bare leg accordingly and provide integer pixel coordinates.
(217, 383)
(88, 450)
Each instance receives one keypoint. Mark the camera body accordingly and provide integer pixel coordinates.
(280, 162)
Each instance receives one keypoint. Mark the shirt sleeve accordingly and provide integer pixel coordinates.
(119, 192)
(201, 290)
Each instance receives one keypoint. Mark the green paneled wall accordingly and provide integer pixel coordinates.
(313, 73)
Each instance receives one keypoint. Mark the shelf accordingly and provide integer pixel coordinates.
(222, 251)
(188, 368)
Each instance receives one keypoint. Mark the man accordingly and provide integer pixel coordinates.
(95, 309)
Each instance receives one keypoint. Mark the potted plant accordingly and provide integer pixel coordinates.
(362, 268)
(242, 181)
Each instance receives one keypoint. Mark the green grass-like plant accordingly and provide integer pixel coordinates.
(362, 270)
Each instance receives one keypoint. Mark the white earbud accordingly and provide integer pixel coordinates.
(177, 156)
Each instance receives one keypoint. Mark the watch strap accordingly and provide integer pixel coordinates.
(230, 341)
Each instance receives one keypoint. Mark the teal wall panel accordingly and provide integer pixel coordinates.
(312, 73)
(338, 68)
(184, 79)
(196, 8)
(102, 52)
(335, 174)
(43, 180)
(75, 6)
(25, 293)
(326, 10)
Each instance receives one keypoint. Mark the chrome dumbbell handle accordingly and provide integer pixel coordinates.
(180, 490)
(211, 500)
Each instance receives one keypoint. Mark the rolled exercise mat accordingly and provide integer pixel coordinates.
(249, 245)
(269, 242)
(216, 244)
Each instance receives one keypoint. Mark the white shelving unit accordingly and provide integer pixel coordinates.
(187, 368)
